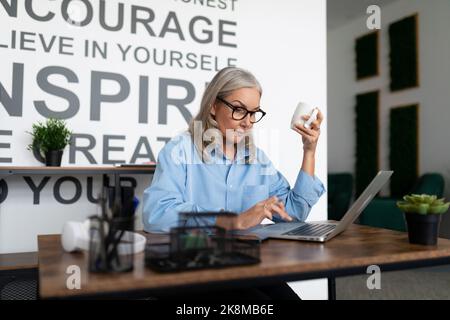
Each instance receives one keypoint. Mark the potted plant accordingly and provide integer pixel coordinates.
(423, 215)
(50, 139)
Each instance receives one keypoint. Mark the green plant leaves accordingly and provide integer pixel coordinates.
(439, 209)
(423, 204)
(53, 135)
(404, 206)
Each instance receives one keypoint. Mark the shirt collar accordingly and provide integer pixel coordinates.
(243, 153)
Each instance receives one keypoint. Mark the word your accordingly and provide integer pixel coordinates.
(66, 189)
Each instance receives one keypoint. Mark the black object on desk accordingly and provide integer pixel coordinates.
(201, 246)
(111, 247)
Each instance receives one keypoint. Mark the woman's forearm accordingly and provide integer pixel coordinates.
(226, 222)
(309, 162)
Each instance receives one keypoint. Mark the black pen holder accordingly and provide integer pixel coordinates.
(120, 200)
(111, 244)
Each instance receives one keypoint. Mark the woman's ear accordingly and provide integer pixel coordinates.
(213, 110)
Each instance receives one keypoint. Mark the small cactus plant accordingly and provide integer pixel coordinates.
(423, 204)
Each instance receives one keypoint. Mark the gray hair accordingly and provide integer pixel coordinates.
(224, 83)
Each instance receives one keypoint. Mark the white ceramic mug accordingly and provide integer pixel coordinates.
(303, 109)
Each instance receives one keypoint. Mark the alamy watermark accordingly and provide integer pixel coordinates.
(210, 142)
(373, 22)
(73, 281)
(374, 280)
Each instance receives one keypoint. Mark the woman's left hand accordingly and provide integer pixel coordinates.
(310, 136)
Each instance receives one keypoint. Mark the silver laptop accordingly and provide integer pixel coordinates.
(321, 231)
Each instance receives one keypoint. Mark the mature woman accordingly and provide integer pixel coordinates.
(215, 166)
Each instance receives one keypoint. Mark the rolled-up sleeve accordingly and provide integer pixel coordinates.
(300, 199)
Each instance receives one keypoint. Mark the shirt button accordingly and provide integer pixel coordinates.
(231, 186)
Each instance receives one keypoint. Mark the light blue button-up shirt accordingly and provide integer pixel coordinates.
(183, 183)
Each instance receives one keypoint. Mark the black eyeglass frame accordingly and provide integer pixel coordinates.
(247, 112)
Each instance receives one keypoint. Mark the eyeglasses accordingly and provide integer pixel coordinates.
(240, 113)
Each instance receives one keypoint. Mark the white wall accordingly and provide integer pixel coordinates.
(271, 42)
(300, 75)
(433, 94)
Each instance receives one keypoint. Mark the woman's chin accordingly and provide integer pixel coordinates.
(238, 138)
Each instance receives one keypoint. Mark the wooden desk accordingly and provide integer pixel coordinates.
(19, 271)
(282, 260)
(18, 261)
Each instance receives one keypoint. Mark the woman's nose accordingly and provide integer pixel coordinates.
(247, 121)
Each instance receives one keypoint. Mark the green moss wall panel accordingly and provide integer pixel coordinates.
(366, 139)
(403, 145)
(366, 48)
(403, 54)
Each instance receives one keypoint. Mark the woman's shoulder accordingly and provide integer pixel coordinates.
(179, 148)
(181, 140)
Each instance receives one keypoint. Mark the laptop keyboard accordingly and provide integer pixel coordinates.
(310, 229)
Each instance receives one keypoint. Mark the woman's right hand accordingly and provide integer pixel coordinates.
(256, 214)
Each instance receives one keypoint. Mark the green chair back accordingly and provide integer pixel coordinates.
(340, 192)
